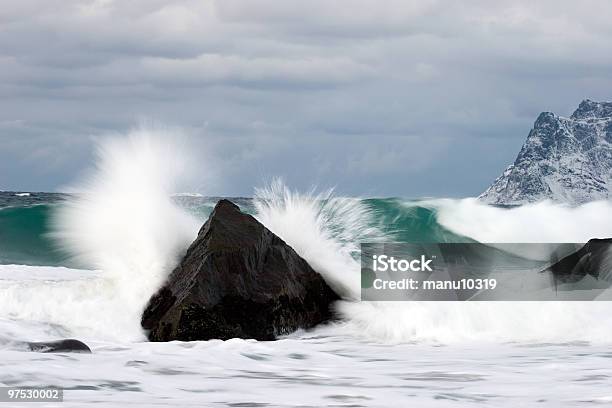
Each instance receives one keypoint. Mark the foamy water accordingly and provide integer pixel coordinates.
(326, 367)
(127, 232)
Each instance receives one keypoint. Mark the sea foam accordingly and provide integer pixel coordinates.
(124, 224)
(325, 231)
(121, 222)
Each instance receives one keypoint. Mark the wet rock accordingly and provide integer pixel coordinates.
(237, 279)
(60, 346)
(594, 259)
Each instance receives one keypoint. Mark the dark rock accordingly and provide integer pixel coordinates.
(594, 259)
(60, 346)
(237, 279)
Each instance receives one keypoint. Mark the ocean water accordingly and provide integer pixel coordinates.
(84, 265)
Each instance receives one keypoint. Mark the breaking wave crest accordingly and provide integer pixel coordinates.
(326, 231)
(123, 225)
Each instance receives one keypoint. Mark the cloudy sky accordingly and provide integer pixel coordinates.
(375, 97)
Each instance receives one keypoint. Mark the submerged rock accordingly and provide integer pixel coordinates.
(594, 259)
(237, 279)
(60, 346)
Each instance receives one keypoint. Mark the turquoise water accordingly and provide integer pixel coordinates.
(26, 224)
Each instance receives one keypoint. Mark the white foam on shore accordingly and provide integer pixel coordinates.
(20, 273)
(315, 369)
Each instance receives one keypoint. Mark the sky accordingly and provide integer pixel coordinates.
(372, 97)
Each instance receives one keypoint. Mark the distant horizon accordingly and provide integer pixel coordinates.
(198, 195)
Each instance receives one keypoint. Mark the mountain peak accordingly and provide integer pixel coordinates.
(563, 159)
(544, 118)
(589, 109)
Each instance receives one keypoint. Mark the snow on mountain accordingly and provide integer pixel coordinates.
(566, 160)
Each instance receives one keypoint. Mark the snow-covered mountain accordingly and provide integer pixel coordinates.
(563, 159)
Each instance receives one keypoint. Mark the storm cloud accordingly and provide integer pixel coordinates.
(375, 97)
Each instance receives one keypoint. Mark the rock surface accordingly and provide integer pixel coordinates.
(60, 346)
(237, 279)
(594, 259)
(566, 160)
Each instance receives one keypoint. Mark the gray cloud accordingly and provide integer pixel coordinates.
(377, 97)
